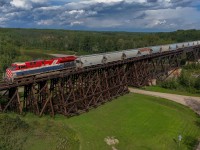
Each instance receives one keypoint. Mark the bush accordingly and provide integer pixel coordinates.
(13, 133)
(192, 66)
(170, 84)
(197, 83)
(2, 100)
(186, 80)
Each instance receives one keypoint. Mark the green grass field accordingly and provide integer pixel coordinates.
(138, 122)
(41, 134)
(164, 90)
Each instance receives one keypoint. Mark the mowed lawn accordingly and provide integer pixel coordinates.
(138, 122)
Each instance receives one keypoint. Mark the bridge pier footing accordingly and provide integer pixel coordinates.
(152, 82)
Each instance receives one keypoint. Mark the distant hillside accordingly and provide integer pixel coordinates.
(90, 42)
(27, 44)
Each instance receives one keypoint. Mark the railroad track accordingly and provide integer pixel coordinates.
(25, 80)
(21, 81)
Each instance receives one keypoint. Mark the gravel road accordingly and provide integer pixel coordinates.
(190, 101)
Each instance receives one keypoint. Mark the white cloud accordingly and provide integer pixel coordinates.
(76, 23)
(116, 1)
(45, 22)
(103, 23)
(39, 1)
(102, 14)
(160, 22)
(48, 8)
(178, 17)
(25, 4)
(2, 19)
(72, 12)
(21, 4)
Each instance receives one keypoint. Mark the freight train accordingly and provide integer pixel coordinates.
(42, 66)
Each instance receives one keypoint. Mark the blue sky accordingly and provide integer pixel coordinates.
(109, 15)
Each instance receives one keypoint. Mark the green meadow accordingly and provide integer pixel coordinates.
(137, 122)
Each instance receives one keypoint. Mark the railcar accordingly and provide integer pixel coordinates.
(38, 66)
(173, 46)
(90, 60)
(191, 43)
(97, 59)
(160, 49)
(156, 49)
(130, 53)
(144, 51)
(180, 45)
(165, 48)
(113, 56)
(186, 44)
(195, 43)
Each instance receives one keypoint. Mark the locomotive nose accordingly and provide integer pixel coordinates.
(9, 74)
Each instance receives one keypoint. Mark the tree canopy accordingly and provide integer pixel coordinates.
(87, 42)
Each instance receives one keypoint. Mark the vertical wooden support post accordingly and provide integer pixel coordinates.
(14, 100)
(30, 100)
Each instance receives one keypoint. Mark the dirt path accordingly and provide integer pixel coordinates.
(190, 101)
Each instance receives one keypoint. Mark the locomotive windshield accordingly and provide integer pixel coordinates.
(12, 68)
(22, 67)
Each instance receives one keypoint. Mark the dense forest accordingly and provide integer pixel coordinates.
(91, 42)
(80, 42)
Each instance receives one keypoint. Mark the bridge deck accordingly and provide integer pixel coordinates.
(22, 81)
(72, 91)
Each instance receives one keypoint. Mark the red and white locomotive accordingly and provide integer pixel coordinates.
(38, 66)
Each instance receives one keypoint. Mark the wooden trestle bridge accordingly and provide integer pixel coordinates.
(73, 91)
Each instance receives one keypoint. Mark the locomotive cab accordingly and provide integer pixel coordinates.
(10, 72)
(18, 66)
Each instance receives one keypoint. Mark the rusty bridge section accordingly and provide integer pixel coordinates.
(73, 91)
